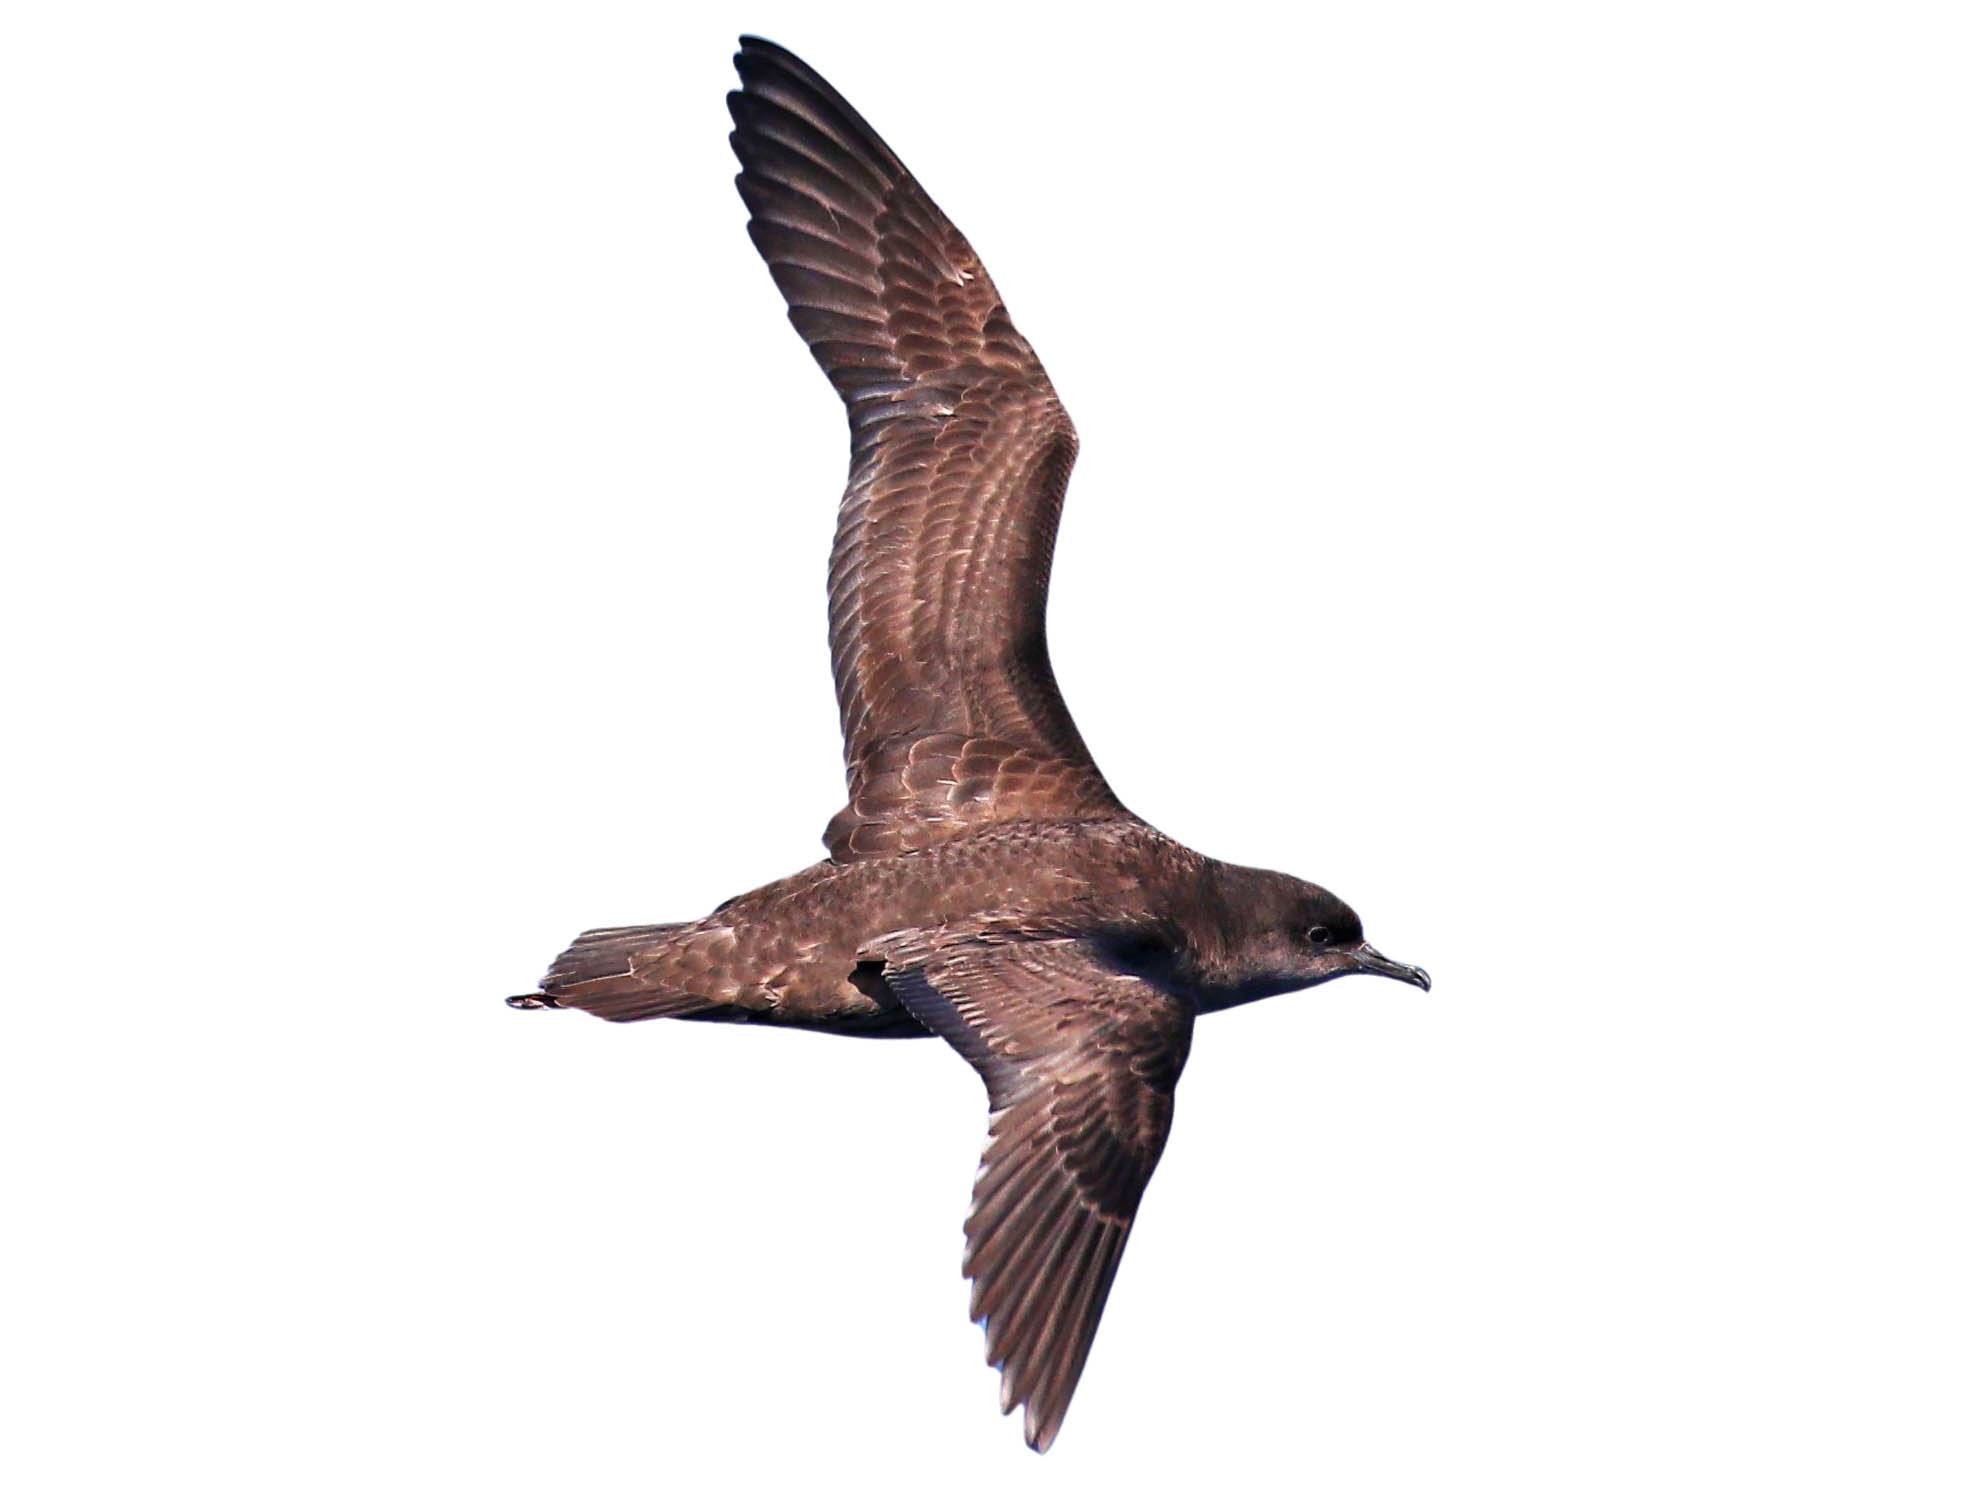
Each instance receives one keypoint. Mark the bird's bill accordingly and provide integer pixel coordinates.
(1367, 959)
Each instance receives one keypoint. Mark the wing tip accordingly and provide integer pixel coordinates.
(1040, 1429)
(757, 49)
(1041, 1414)
(750, 46)
(763, 66)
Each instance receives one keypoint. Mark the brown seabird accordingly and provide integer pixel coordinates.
(983, 884)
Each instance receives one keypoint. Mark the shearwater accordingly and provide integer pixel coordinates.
(983, 884)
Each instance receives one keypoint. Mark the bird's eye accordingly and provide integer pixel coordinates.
(1317, 936)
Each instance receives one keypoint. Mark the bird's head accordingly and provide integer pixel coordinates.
(1277, 933)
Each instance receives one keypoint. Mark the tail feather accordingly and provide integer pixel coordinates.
(604, 973)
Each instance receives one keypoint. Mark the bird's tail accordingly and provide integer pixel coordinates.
(612, 972)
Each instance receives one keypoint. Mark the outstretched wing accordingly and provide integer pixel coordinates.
(960, 454)
(1080, 1061)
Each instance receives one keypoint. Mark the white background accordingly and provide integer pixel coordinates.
(1533, 465)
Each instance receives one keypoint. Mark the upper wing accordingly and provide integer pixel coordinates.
(960, 453)
(1080, 1061)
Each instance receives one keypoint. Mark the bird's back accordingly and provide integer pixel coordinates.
(794, 951)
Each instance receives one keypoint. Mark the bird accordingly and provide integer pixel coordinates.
(983, 885)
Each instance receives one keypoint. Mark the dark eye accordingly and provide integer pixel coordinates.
(1317, 936)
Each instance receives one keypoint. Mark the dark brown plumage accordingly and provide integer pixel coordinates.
(983, 883)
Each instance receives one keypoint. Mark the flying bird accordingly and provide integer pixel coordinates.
(983, 884)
